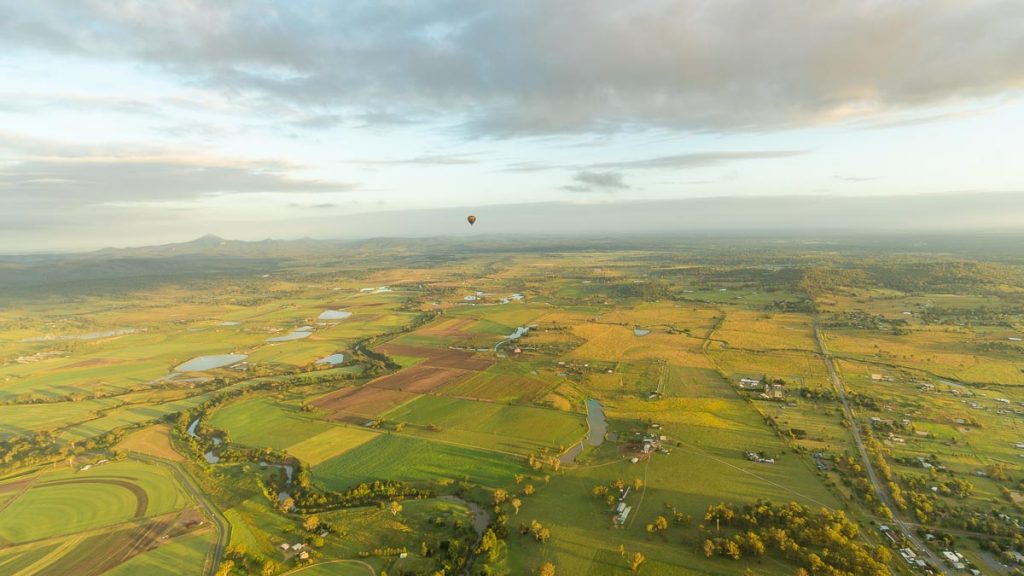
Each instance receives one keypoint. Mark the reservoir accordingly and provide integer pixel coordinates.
(334, 315)
(333, 359)
(201, 363)
(597, 426)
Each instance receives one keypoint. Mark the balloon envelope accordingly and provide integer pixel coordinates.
(471, 220)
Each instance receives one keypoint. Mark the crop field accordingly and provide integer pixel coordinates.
(152, 441)
(490, 425)
(357, 405)
(262, 422)
(502, 383)
(417, 460)
(332, 442)
(61, 503)
(431, 404)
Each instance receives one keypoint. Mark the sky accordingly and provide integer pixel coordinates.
(126, 122)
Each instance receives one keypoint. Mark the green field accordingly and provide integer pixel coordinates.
(262, 422)
(416, 460)
(60, 503)
(491, 425)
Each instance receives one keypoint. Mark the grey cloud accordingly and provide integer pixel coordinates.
(587, 181)
(518, 68)
(675, 161)
(135, 179)
(38, 170)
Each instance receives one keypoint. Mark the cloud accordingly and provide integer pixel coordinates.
(671, 162)
(587, 181)
(516, 69)
(39, 170)
(428, 160)
(698, 159)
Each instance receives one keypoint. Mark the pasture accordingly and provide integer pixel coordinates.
(65, 502)
(417, 460)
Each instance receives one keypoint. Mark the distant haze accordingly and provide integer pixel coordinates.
(778, 216)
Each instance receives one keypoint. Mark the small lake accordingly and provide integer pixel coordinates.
(597, 426)
(298, 334)
(201, 363)
(334, 315)
(640, 332)
(333, 359)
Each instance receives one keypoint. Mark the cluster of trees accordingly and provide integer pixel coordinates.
(25, 450)
(308, 499)
(824, 542)
(450, 555)
(649, 290)
(29, 449)
(238, 560)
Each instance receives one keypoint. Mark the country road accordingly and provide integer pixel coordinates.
(881, 491)
(222, 524)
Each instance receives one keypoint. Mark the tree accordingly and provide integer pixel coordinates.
(489, 545)
(310, 523)
(395, 507)
(637, 483)
(546, 569)
(661, 523)
(709, 548)
(225, 567)
(528, 489)
(732, 549)
(636, 561)
(269, 568)
(287, 504)
(500, 496)
(516, 503)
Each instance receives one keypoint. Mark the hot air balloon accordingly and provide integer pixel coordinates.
(471, 220)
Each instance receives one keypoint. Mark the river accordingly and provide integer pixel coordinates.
(597, 426)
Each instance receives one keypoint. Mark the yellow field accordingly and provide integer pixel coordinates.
(617, 343)
(329, 444)
(764, 331)
(152, 441)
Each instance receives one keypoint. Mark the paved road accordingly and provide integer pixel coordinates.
(222, 524)
(881, 491)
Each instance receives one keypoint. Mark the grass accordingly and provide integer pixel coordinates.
(152, 441)
(264, 422)
(62, 503)
(329, 443)
(520, 429)
(183, 555)
(416, 460)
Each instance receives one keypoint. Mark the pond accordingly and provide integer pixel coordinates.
(640, 332)
(333, 359)
(298, 334)
(334, 315)
(597, 426)
(201, 363)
